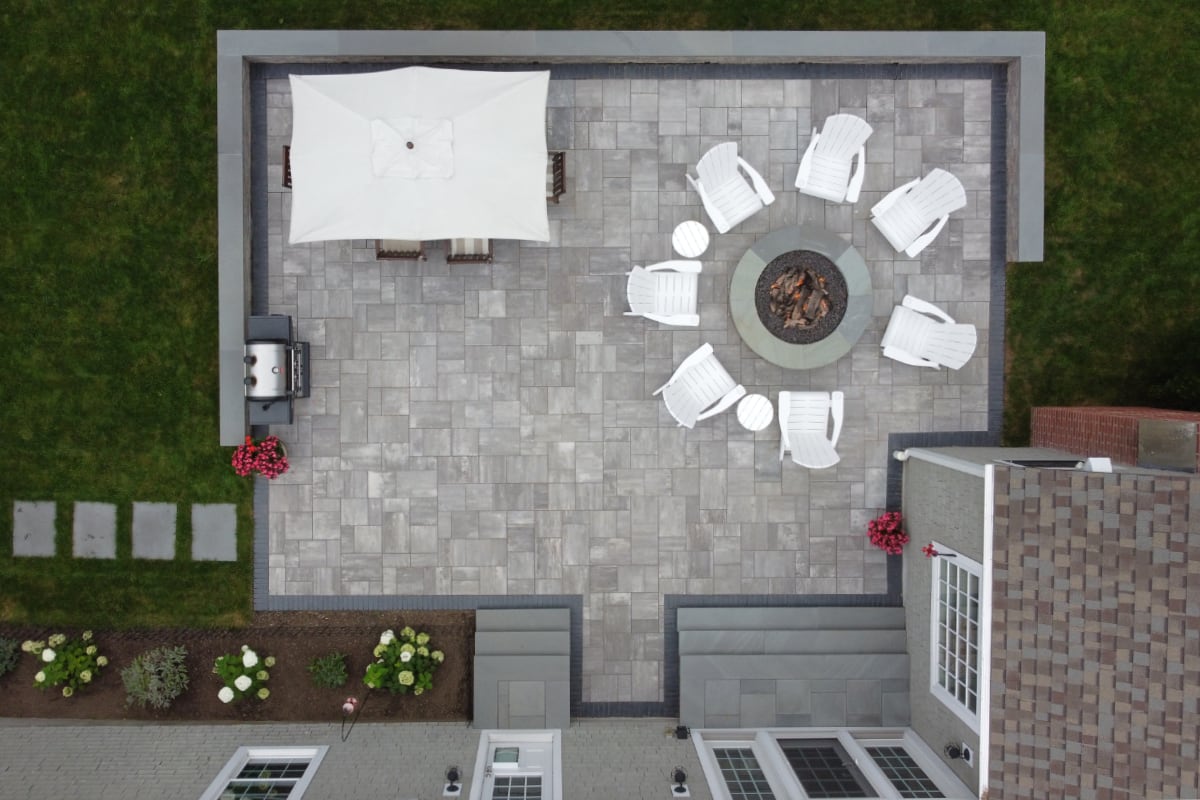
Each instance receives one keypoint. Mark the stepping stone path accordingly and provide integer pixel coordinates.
(94, 530)
(214, 532)
(154, 530)
(33, 529)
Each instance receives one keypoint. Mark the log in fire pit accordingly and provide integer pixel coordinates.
(801, 297)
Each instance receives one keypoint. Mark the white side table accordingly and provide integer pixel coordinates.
(755, 412)
(690, 239)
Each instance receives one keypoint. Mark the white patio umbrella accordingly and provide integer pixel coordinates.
(419, 153)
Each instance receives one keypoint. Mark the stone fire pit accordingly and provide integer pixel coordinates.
(828, 323)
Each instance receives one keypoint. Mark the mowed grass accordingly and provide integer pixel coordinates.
(108, 241)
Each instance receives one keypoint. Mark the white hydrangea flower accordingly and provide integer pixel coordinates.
(242, 682)
(48, 655)
(250, 659)
(40, 677)
(405, 656)
(388, 637)
(225, 695)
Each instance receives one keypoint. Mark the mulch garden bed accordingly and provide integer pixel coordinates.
(294, 638)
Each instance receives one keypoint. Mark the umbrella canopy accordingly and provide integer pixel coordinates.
(419, 153)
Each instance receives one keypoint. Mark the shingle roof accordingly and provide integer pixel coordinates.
(1096, 635)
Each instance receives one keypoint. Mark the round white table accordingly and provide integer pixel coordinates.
(755, 412)
(690, 239)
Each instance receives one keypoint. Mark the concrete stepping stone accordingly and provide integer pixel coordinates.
(33, 528)
(154, 530)
(95, 530)
(214, 532)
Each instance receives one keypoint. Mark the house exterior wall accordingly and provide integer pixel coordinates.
(601, 758)
(1095, 666)
(943, 504)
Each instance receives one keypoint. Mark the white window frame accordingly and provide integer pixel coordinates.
(244, 755)
(764, 742)
(948, 698)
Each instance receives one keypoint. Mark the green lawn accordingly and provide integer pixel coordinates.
(108, 308)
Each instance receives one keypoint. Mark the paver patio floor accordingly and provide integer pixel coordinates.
(490, 430)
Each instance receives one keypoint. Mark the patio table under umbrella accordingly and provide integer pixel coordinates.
(419, 153)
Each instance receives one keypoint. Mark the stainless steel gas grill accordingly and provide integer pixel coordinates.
(276, 370)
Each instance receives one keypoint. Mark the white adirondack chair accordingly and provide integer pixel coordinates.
(904, 217)
(727, 196)
(825, 167)
(804, 427)
(921, 334)
(700, 388)
(665, 292)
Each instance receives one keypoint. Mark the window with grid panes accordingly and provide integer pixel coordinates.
(265, 773)
(903, 772)
(955, 653)
(824, 768)
(517, 787)
(743, 776)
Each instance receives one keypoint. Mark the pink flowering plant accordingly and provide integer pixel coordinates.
(266, 457)
(74, 663)
(887, 533)
(244, 675)
(403, 663)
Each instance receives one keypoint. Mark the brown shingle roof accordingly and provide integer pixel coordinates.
(1096, 635)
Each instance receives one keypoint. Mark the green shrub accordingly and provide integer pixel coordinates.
(156, 677)
(72, 662)
(10, 651)
(329, 672)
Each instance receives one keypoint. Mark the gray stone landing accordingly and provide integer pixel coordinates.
(523, 668)
(784, 667)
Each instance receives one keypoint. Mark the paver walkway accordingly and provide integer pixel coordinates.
(490, 430)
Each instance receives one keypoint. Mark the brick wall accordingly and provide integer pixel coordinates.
(1100, 430)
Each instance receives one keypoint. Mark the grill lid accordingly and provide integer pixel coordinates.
(266, 370)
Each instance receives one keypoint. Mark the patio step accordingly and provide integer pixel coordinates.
(773, 666)
(791, 619)
(522, 668)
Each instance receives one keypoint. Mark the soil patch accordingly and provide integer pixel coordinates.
(294, 638)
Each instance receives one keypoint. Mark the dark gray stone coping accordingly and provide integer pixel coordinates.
(745, 313)
(1022, 52)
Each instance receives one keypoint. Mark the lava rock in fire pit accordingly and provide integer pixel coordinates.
(801, 297)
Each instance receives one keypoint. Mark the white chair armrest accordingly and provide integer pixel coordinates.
(677, 266)
(692, 320)
(760, 186)
(903, 357)
(718, 219)
(731, 397)
(837, 407)
(856, 178)
(806, 162)
(919, 305)
(922, 241)
(892, 196)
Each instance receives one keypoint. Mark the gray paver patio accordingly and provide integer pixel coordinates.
(33, 528)
(214, 532)
(95, 530)
(490, 429)
(154, 530)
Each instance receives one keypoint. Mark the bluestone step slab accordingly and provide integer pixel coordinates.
(95, 530)
(523, 619)
(550, 643)
(754, 642)
(154, 530)
(790, 619)
(33, 528)
(214, 532)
